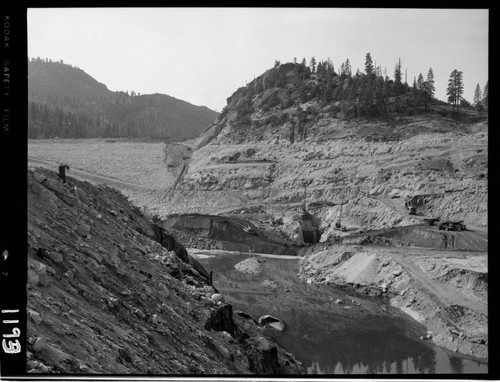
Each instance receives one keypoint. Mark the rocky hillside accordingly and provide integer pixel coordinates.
(279, 143)
(66, 102)
(110, 292)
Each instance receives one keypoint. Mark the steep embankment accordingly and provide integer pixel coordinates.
(226, 233)
(105, 294)
(276, 149)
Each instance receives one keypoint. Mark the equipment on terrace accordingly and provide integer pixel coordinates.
(449, 225)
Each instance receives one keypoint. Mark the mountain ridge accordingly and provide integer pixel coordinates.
(66, 102)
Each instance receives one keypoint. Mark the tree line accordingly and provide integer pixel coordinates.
(365, 93)
(372, 92)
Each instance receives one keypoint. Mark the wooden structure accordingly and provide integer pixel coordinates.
(310, 231)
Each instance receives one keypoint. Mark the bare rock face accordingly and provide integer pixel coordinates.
(222, 320)
(110, 295)
(276, 136)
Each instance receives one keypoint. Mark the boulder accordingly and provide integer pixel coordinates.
(56, 257)
(216, 297)
(139, 313)
(278, 325)
(83, 230)
(54, 185)
(39, 177)
(221, 319)
(35, 316)
(251, 266)
(113, 255)
(273, 322)
(81, 195)
(40, 344)
(42, 275)
(33, 277)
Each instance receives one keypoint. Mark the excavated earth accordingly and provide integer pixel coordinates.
(248, 181)
(445, 290)
(361, 172)
(109, 292)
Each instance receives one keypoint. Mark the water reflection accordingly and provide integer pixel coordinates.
(345, 351)
(327, 338)
(456, 364)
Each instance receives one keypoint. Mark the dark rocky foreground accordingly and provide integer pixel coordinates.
(109, 292)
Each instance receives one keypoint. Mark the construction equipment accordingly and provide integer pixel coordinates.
(310, 231)
(449, 225)
(338, 222)
(410, 205)
(431, 221)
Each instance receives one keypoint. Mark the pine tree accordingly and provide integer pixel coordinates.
(420, 82)
(369, 70)
(477, 95)
(319, 68)
(414, 94)
(329, 66)
(430, 84)
(455, 88)
(313, 64)
(348, 71)
(397, 76)
(484, 101)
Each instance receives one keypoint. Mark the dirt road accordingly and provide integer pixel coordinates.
(441, 293)
(84, 175)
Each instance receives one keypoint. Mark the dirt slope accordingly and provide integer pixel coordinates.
(105, 297)
(444, 290)
(354, 170)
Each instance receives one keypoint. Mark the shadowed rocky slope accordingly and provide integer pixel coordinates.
(104, 296)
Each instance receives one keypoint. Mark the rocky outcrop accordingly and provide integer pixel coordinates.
(230, 233)
(297, 139)
(221, 320)
(110, 293)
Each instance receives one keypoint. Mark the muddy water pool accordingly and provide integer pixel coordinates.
(332, 331)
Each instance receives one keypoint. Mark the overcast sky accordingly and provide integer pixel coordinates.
(203, 55)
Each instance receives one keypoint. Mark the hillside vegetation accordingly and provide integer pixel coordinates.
(66, 102)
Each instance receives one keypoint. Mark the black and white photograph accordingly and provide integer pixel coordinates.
(253, 193)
